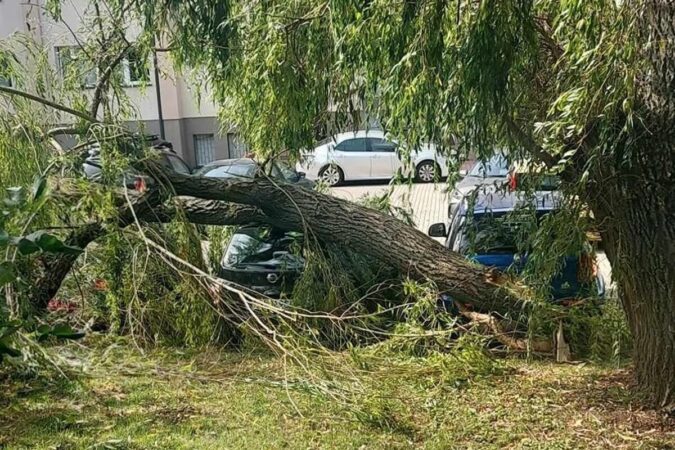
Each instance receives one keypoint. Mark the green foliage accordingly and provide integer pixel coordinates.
(201, 398)
(601, 333)
(289, 72)
(13, 334)
(218, 238)
(144, 296)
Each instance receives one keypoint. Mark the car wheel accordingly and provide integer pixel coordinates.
(331, 175)
(427, 171)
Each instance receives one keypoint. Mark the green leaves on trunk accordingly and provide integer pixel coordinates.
(43, 241)
(59, 331)
(40, 241)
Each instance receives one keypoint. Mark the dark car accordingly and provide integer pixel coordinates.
(263, 259)
(486, 229)
(93, 168)
(249, 168)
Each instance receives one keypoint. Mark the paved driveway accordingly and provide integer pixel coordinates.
(427, 202)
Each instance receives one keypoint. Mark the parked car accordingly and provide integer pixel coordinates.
(485, 228)
(263, 259)
(92, 165)
(368, 155)
(249, 168)
(525, 175)
(493, 172)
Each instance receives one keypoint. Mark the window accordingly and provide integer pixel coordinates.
(497, 166)
(455, 224)
(284, 172)
(352, 145)
(134, 69)
(381, 145)
(73, 64)
(178, 164)
(264, 246)
(236, 148)
(204, 149)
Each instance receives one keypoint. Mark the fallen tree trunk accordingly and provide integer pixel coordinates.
(364, 230)
(146, 209)
(322, 217)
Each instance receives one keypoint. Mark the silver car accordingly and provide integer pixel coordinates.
(369, 155)
(493, 172)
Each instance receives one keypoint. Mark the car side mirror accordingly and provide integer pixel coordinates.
(301, 175)
(463, 172)
(437, 230)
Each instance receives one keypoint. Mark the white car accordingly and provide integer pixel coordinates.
(368, 155)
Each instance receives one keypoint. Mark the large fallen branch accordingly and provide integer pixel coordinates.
(147, 208)
(323, 217)
(364, 230)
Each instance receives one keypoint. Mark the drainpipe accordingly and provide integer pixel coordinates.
(158, 92)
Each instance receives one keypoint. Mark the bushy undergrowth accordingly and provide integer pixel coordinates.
(132, 290)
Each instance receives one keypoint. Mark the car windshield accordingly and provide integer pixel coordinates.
(229, 171)
(282, 171)
(253, 246)
(495, 232)
(496, 166)
(177, 164)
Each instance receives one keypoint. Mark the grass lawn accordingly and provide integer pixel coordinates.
(118, 398)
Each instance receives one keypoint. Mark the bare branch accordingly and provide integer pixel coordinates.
(44, 101)
(103, 80)
(503, 336)
(61, 131)
(526, 140)
(546, 36)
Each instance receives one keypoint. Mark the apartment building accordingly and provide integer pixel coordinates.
(165, 102)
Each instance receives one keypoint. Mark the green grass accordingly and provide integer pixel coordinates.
(120, 399)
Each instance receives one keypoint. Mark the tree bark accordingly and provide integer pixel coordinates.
(636, 207)
(639, 237)
(366, 231)
(146, 210)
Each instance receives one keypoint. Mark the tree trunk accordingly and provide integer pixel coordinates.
(364, 230)
(639, 210)
(635, 207)
(640, 239)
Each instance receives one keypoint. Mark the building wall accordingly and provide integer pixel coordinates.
(187, 108)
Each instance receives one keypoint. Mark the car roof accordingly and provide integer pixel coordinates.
(497, 200)
(339, 137)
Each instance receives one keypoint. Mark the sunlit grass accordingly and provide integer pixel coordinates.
(121, 399)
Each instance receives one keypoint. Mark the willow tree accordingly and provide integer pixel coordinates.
(584, 87)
